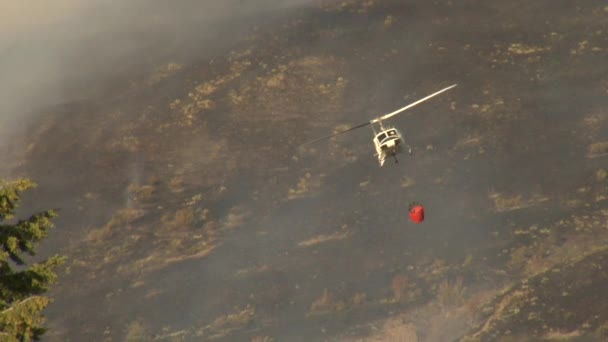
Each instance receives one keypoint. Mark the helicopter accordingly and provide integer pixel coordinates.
(388, 141)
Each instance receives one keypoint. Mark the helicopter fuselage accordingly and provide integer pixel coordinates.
(388, 143)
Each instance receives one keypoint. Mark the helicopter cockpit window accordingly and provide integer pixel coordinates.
(392, 133)
(381, 137)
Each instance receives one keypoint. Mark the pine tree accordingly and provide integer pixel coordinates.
(22, 286)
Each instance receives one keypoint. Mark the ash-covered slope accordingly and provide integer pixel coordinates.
(189, 213)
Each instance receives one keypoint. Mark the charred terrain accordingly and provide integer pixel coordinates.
(189, 212)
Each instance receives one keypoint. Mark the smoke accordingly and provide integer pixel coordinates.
(61, 51)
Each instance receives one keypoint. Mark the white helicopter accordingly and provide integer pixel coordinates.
(388, 141)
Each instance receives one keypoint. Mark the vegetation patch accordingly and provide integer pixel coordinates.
(598, 149)
(503, 203)
(336, 236)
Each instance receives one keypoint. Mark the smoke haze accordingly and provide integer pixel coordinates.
(61, 51)
(148, 179)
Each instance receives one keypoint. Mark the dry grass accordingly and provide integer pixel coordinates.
(508, 302)
(163, 72)
(475, 303)
(482, 108)
(601, 175)
(582, 47)
(503, 203)
(389, 21)
(468, 141)
(136, 332)
(252, 270)
(587, 234)
(277, 94)
(433, 271)
(536, 264)
(522, 49)
(262, 339)
(574, 203)
(451, 294)
(359, 298)
(519, 258)
(141, 193)
(492, 111)
(598, 149)
(594, 122)
(351, 6)
(177, 241)
(471, 144)
(326, 303)
(340, 235)
(225, 325)
(401, 333)
(194, 200)
(127, 143)
(438, 323)
(199, 101)
(392, 329)
(157, 260)
(468, 259)
(561, 336)
(176, 184)
(120, 219)
(306, 185)
(182, 218)
(173, 336)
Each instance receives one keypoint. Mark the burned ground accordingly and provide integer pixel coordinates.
(189, 212)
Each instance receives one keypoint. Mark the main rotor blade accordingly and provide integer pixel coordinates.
(338, 133)
(384, 117)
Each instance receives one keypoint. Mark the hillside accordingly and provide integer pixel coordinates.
(189, 212)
